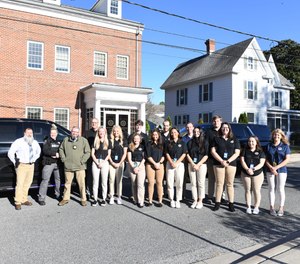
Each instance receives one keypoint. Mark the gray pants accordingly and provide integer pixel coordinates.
(46, 175)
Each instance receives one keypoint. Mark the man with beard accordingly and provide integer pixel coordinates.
(23, 153)
(74, 152)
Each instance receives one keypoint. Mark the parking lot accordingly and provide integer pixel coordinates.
(127, 234)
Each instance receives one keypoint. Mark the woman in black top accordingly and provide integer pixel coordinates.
(252, 161)
(225, 150)
(175, 154)
(197, 157)
(136, 161)
(155, 166)
(118, 155)
(100, 154)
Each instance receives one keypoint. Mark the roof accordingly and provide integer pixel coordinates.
(219, 62)
(284, 81)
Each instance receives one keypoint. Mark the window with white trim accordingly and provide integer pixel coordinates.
(100, 63)
(250, 90)
(206, 92)
(277, 99)
(205, 117)
(182, 97)
(251, 117)
(34, 112)
(35, 55)
(250, 63)
(61, 117)
(122, 67)
(114, 7)
(62, 58)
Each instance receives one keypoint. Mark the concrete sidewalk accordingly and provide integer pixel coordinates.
(286, 250)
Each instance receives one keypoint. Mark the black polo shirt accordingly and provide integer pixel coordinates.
(210, 136)
(252, 159)
(154, 151)
(225, 148)
(101, 153)
(138, 154)
(197, 152)
(176, 149)
(117, 150)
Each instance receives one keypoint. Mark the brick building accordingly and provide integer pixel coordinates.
(67, 64)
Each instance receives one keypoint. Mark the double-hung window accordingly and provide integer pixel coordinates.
(277, 98)
(114, 7)
(250, 90)
(61, 117)
(122, 67)
(182, 97)
(35, 55)
(62, 59)
(206, 92)
(100, 63)
(34, 112)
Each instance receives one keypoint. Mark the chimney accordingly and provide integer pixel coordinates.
(210, 46)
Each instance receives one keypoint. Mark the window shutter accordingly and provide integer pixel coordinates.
(280, 99)
(177, 99)
(255, 64)
(273, 99)
(210, 91)
(185, 96)
(187, 118)
(245, 62)
(255, 90)
(245, 89)
(210, 116)
(175, 120)
(200, 93)
(200, 117)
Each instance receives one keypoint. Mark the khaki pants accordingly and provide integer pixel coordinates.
(115, 174)
(226, 175)
(138, 184)
(197, 179)
(175, 177)
(152, 176)
(24, 180)
(252, 184)
(80, 177)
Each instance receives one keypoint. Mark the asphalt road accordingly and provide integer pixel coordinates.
(127, 234)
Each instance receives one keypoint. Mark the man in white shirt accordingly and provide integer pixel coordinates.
(23, 153)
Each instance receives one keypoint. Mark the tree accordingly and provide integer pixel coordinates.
(162, 103)
(286, 56)
(243, 119)
(170, 120)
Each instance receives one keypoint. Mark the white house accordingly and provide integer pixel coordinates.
(228, 82)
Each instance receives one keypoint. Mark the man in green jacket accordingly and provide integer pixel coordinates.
(74, 152)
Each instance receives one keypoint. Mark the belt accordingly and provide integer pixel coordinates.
(29, 163)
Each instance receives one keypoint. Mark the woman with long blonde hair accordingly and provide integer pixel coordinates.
(278, 155)
(117, 158)
(100, 154)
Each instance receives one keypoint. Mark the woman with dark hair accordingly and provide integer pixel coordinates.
(197, 157)
(136, 161)
(155, 166)
(278, 155)
(175, 154)
(252, 161)
(225, 150)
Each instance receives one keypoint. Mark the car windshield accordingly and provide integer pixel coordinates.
(262, 132)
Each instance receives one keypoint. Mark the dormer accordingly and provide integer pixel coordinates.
(55, 2)
(111, 8)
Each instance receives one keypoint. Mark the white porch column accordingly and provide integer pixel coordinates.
(97, 109)
(142, 114)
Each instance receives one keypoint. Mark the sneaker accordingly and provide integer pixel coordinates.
(208, 200)
(172, 204)
(119, 200)
(231, 207)
(177, 205)
(63, 202)
(159, 205)
(194, 204)
(273, 212)
(223, 201)
(42, 203)
(103, 203)
(140, 205)
(280, 213)
(217, 206)
(111, 200)
(94, 203)
(249, 211)
(255, 211)
(199, 205)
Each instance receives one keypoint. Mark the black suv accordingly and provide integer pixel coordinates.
(13, 128)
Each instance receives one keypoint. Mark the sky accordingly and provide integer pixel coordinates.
(275, 20)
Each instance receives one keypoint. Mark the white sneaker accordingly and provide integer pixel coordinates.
(177, 204)
(256, 211)
(280, 213)
(172, 204)
(249, 211)
(111, 200)
(119, 200)
(273, 212)
(199, 205)
(193, 206)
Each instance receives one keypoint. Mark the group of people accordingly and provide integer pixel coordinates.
(97, 157)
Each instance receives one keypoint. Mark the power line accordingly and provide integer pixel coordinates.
(199, 22)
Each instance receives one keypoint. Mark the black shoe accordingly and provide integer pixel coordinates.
(217, 206)
(103, 203)
(94, 203)
(149, 204)
(223, 201)
(231, 207)
(140, 205)
(42, 203)
(208, 200)
(159, 205)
